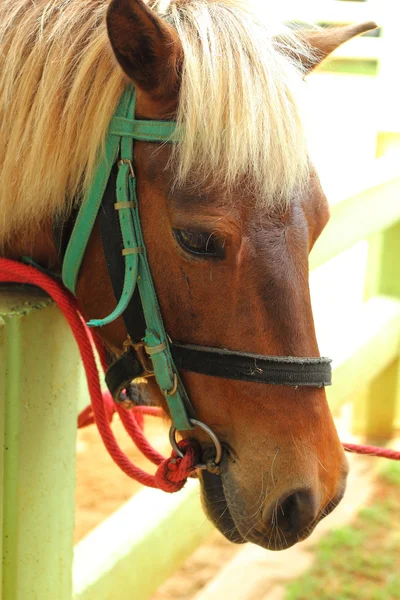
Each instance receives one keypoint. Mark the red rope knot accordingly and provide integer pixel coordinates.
(173, 472)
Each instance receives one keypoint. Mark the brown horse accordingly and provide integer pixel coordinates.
(229, 214)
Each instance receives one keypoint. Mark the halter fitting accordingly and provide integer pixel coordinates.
(149, 351)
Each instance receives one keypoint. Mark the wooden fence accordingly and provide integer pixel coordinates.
(41, 384)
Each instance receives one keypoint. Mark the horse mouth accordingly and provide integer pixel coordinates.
(216, 505)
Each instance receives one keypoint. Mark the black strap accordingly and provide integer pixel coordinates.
(278, 370)
(121, 372)
(227, 364)
(112, 247)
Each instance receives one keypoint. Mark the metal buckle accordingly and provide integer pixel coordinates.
(142, 356)
(127, 161)
(174, 388)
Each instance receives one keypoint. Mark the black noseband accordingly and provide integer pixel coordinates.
(227, 364)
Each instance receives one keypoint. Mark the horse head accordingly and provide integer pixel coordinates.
(231, 271)
(229, 215)
(231, 267)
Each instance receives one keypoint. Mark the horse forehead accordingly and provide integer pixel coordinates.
(276, 225)
(297, 225)
(255, 219)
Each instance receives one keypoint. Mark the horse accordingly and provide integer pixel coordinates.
(229, 214)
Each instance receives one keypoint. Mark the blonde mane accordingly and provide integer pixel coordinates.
(59, 85)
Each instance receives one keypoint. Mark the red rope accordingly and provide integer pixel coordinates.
(172, 472)
(373, 451)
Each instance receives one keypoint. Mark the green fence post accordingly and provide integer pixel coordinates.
(2, 433)
(39, 374)
(383, 277)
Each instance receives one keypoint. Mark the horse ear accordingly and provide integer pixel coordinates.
(324, 41)
(147, 48)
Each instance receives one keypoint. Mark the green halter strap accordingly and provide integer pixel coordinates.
(165, 355)
(123, 129)
(122, 132)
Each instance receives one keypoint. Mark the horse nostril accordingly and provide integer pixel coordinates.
(295, 512)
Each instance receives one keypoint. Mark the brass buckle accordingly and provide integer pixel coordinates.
(127, 161)
(142, 356)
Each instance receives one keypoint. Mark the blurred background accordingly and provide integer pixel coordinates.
(355, 283)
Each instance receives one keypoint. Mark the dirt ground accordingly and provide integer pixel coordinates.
(101, 487)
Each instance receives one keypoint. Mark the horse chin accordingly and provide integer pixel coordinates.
(216, 507)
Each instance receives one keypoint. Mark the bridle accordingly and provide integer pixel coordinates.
(148, 350)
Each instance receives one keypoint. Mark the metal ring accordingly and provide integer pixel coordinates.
(216, 442)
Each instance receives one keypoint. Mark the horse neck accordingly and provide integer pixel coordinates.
(37, 243)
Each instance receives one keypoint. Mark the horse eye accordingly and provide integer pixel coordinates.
(200, 243)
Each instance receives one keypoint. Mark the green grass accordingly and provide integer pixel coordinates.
(360, 561)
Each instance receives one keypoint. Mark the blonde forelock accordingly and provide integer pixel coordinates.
(59, 85)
